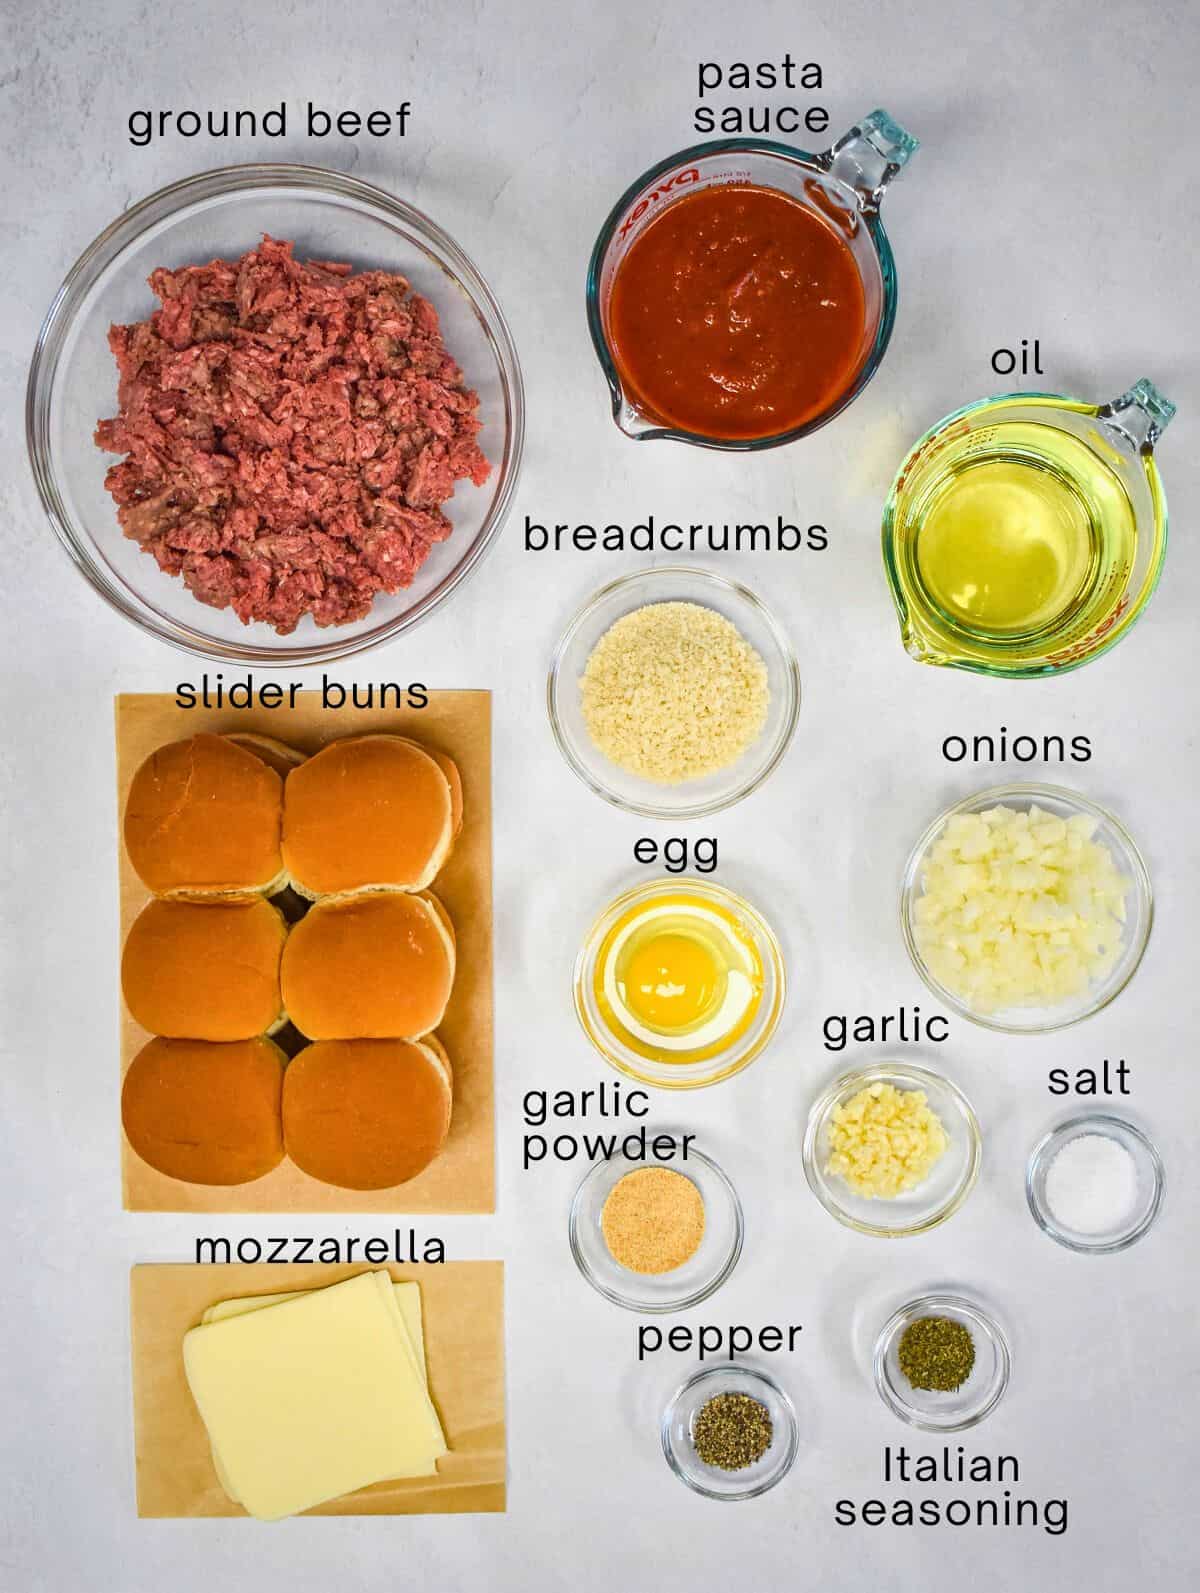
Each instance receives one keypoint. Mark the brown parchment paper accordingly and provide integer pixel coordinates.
(463, 1305)
(459, 723)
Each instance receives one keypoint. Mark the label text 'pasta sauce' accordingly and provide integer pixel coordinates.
(737, 313)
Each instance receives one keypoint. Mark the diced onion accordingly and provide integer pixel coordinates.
(1019, 908)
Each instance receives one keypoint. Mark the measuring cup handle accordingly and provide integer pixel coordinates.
(870, 155)
(1139, 417)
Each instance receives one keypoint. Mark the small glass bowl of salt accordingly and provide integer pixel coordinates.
(1095, 1184)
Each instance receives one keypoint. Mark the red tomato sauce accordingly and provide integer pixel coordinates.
(737, 313)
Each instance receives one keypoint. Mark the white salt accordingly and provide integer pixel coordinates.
(1091, 1185)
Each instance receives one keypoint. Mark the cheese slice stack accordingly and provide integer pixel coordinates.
(308, 1396)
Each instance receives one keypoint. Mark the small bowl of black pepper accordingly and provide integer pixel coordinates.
(730, 1432)
(941, 1363)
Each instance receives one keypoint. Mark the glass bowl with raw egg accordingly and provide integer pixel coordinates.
(892, 1150)
(1026, 908)
(642, 731)
(679, 983)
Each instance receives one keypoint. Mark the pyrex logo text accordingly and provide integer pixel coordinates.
(680, 179)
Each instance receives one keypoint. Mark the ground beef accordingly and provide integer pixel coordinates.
(290, 432)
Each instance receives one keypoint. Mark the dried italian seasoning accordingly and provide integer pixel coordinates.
(732, 1431)
(936, 1353)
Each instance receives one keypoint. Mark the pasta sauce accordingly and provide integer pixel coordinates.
(737, 313)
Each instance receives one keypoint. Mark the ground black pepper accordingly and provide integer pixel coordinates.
(732, 1431)
(936, 1353)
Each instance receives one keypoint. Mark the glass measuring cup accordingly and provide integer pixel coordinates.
(844, 185)
(1024, 534)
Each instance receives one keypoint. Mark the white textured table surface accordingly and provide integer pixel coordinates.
(1052, 197)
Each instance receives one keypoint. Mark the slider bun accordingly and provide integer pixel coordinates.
(203, 818)
(369, 967)
(205, 970)
(453, 779)
(437, 1051)
(276, 755)
(366, 1114)
(444, 919)
(367, 813)
(203, 1113)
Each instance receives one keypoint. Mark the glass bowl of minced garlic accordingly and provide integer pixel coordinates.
(892, 1150)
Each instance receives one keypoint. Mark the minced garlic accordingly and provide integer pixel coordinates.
(884, 1141)
(673, 691)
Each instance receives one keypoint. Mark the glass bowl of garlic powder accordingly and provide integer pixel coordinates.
(1026, 908)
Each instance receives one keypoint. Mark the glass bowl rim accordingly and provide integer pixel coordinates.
(728, 898)
(684, 1302)
(753, 1374)
(1071, 1128)
(921, 1077)
(814, 161)
(994, 795)
(741, 594)
(160, 206)
(979, 1317)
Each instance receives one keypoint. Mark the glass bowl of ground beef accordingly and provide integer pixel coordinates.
(275, 415)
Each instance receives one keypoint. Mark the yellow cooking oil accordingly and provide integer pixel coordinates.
(1011, 541)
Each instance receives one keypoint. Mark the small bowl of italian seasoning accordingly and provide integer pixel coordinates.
(730, 1432)
(941, 1363)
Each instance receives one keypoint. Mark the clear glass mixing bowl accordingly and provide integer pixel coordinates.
(73, 384)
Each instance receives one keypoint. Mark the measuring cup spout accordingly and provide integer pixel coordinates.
(869, 156)
(629, 419)
(919, 646)
(1139, 417)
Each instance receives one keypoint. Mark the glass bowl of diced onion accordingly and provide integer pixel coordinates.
(1027, 920)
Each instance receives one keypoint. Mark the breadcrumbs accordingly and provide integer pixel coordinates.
(884, 1141)
(673, 691)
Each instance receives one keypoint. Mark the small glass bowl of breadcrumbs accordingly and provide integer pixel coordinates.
(656, 1235)
(730, 1432)
(674, 692)
(892, 1150)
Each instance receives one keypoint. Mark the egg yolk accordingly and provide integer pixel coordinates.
(671, 981)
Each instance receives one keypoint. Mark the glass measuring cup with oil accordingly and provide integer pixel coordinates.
(1024, 534)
